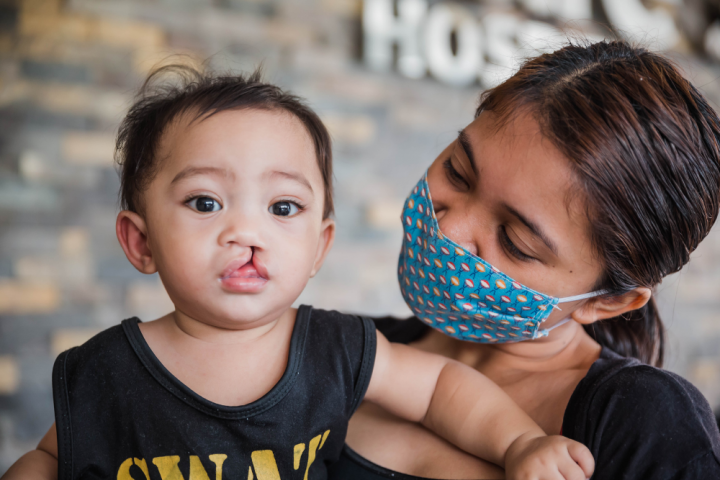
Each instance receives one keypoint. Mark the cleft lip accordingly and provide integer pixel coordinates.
(234, 266)
(245, 267)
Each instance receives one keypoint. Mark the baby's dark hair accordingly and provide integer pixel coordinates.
(172, 90)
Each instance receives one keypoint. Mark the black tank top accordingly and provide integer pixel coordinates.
(639, 422)
(121, 414)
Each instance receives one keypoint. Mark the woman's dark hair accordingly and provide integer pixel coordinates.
(176, 89)
(645, 148)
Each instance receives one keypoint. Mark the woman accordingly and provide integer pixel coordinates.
(593, 169)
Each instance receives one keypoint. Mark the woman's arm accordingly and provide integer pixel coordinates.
(463, 406)
(39, 464)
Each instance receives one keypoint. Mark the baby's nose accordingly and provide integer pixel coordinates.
(244, 231)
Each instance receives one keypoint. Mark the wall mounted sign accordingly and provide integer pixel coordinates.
(463, 43)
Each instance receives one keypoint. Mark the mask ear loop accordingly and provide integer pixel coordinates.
(546, 332)
(583, 296)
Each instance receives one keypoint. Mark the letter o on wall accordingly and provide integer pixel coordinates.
(458, 69)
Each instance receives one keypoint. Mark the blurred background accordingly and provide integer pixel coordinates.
(393, 80)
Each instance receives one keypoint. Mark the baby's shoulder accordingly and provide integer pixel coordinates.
(332, 322)
(350, 337)
(103, 351)
(320, 315)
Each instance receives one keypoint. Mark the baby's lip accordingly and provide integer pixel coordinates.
(245, 267)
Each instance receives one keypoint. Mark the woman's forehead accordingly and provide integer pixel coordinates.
(516, 148)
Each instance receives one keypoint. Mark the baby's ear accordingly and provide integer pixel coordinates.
(132, 234)
(325, 243)
(608, 307)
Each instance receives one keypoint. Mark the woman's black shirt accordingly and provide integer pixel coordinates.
(639, 422)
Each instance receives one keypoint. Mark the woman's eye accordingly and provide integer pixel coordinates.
(511, 248)
(284, 209)
(205, 204)
(454, 176)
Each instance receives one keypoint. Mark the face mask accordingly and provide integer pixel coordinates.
(459, 293)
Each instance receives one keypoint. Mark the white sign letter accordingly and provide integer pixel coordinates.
(382, 29)
(502, 51)
(462, 67)
(712, 40)
(563, 9)
(633, 20)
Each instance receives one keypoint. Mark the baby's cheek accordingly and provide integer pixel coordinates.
(185, 271)
(295, 260)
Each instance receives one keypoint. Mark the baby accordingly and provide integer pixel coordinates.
(226, 193)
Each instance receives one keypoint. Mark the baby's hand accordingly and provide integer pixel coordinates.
(548, 458)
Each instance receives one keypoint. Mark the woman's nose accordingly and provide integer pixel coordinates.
(470, 247)
(461, 229)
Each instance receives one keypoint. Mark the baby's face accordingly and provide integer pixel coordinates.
(234, 216)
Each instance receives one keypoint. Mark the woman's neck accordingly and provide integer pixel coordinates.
(567, 347)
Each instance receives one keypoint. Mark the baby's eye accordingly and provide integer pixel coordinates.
(204, 204)
(284, 209)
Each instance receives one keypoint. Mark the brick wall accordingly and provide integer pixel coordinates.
(67, 73)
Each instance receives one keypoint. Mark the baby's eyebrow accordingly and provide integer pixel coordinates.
(295, 176)
(192, 171)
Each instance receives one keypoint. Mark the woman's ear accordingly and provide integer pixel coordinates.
(325, 243)
(132, 234)
(609, 307)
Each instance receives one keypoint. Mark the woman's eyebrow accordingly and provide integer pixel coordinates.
(534, 229)
(464, 142)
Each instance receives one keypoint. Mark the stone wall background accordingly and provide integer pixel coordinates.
(68, 70)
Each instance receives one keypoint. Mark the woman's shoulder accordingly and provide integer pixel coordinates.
(642, 419)
(614, 381)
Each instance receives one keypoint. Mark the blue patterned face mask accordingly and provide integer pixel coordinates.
(459, 293)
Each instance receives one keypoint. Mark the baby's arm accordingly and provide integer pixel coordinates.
(39, 464)
(466, 408)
